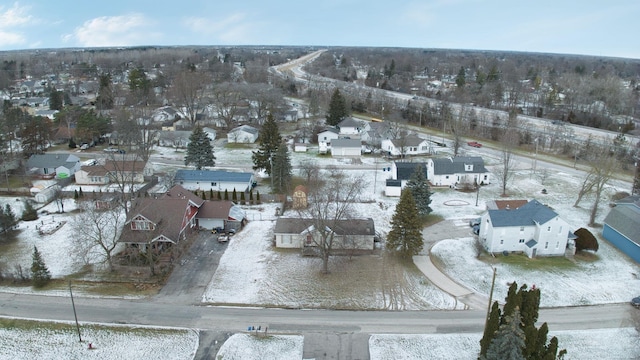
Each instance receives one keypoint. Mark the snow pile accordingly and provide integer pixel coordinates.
(262, 347)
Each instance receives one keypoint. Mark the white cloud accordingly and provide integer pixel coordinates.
(10, 18)
(14, 16)
(124, 30)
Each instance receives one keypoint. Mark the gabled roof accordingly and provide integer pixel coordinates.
(404, 170)
(349, 122)
(213, 176)
(505, 204)
(410, 140)
(166, 213)
(342, 227)
(625, 219)
(221, 209)
(42, 161)
(178, 192)
(456, 165)
(530, 214)
(346, 143)
(245, 128)
(331, 130)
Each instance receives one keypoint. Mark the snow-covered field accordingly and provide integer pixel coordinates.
(584, 345)
(258, 347)
(250, 259)
(34, 340)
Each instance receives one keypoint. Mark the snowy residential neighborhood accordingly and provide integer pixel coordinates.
(369, 239)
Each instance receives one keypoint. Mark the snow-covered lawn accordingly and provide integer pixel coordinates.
(262, 347)
(584, 345)
(25, 339)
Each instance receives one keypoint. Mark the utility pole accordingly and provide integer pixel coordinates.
(74, 312)
(493, 283)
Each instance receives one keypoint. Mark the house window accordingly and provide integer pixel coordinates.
(548, 228)
(546, 245)
(181, 182)
(501, 242)
(560, 230)
(214, 184)
(309, 239)
(446, 177)
(521, 241)
(521, 228)
(485, 177)
(557, 244)
(140, 225)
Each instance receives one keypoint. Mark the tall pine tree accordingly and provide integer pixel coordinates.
(199, 150)
(405, 236)
(269, 139)
(338, 109)
(420, 190)
(521, 305)
(508, 341)
(282, 172)
(40, 274)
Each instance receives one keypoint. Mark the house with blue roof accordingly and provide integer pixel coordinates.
(216, 180)
(622, 226)
(533, 228)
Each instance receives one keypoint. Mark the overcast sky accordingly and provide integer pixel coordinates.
(590, 27)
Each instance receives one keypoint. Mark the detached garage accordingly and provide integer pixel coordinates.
(621, 227)
(346, 147)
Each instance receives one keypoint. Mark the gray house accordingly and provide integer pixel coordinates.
(53, 165)
(217, 180)
(349, 234)
(622, 226)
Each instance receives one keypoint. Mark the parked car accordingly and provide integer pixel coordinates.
(84, 146)
(474, 222)
(110, 150)
(476, 229)
(474, 144)
(223, 238)
(636, 301)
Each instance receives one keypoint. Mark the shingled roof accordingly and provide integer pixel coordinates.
(529, 214)
(456, 165)
(342, 227)
(404, 170)
(624, 218)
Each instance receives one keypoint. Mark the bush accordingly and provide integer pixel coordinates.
(29, 213)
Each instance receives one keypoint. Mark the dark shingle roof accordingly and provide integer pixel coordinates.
(456, 165)
(347, 143)
(42, 161)
(166, 213)
(406, 169)
(342, 227)
(350, 122)
(529, 214)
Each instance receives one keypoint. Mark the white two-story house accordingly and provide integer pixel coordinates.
(533, 229)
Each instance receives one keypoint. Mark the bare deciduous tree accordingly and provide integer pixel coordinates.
(330, 201)
(97, 234)
(602, 169)
(188, 90)
(504, 171)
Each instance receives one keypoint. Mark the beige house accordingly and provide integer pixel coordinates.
(348, 234)
(113, 171)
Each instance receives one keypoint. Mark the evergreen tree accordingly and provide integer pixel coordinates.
(338, 110)
(7, 218)
(282, 172)
(80, 194)
(211, 194)
(509, 340)
(203, 196)
(199, 150)
(258, 197)
(219, 195)
(586, 240)
(234, 196)
(420, 190)
(525, 303)
(460, 79)
(226, 194)
(493, 324)
(75, 194)
(251, 197)
(72, 144)
(405, 236)
(270, 140)
(56, 100)
(39, 272)
(29, 213)
(242, 198)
